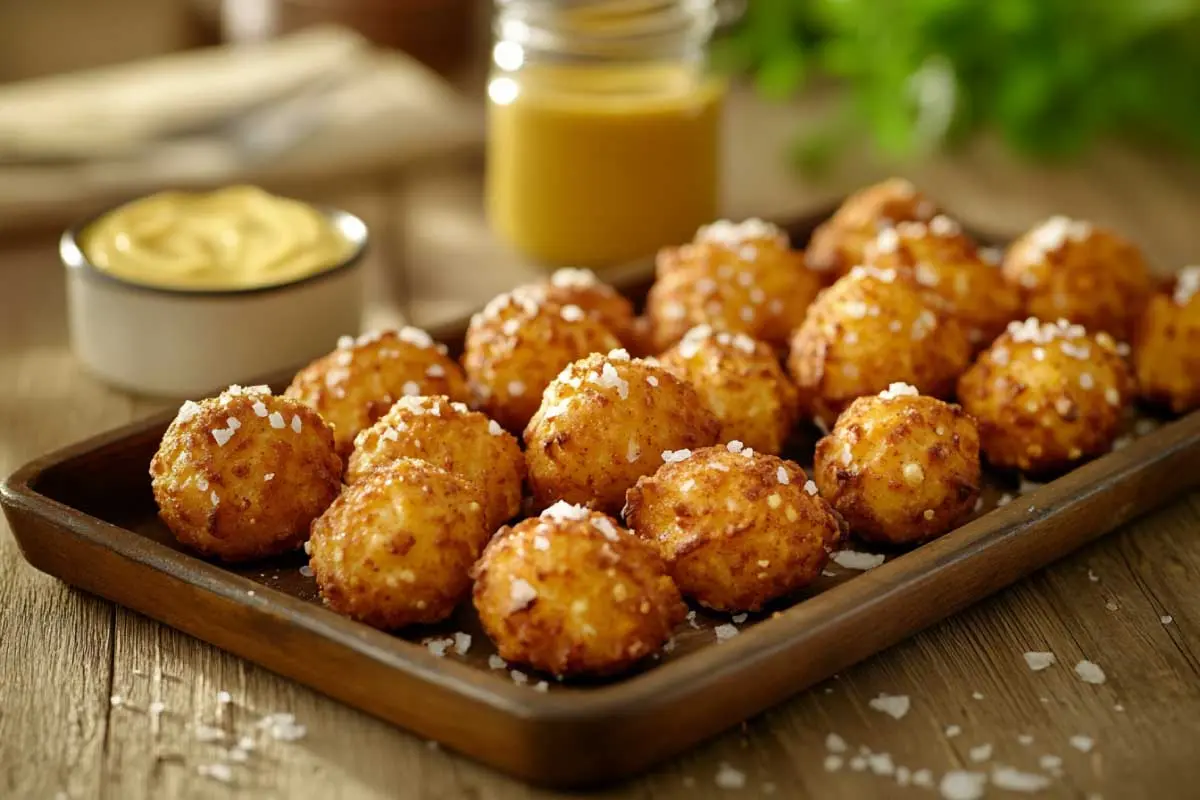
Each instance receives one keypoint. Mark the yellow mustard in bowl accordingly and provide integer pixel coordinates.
(231, 239)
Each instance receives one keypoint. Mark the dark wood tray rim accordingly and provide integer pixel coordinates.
(661, 685)
(577, 736)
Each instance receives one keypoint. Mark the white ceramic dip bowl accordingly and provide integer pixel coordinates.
(181, 343)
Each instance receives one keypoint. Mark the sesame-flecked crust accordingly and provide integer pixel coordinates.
(742, 383)
(945, 265)
(598, 599)
(255, 494)
(396, 548)
(1085, 274)
(1047, 396)
(760, 288)
(357, 383)
(515, 347)
(1166, 352)
(837, 244)
(588, 444)
(734, 536)
(449, 435)
(870, 330)
(900, 469)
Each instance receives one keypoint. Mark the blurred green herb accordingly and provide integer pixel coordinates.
(1051, 76)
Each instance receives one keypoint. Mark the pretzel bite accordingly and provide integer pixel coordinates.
(1069, 269)
(1047, 395)
(604, 422)
(573, 593)
(900, 467)
(741, 382)
(580, 287)
(1166, 347)
(868, 331)
(448, 435)
(762, 240)
(516, 346)
(396, 548)
(945, 264)
(740, 278)
(357, 383)
(837, 245)
(241, 475)
(736, 528)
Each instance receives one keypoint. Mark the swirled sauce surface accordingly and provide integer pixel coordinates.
(234, 238)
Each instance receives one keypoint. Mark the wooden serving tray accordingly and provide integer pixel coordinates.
(86, 515)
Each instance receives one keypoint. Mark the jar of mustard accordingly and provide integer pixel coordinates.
(604, 127)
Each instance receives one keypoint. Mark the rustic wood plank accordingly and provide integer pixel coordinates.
(55, 643)
(63, 653)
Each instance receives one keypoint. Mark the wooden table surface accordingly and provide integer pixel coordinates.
(1129, 602)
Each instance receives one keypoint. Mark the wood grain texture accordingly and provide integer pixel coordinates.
(104, 536)
(63, 653)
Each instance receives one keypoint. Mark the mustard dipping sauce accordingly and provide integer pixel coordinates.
(235, 238)
(591, 166)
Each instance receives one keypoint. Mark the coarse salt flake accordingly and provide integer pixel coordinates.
(187, 411)
(960, 784)
(222, 435)
(887, 241)
(675, 456)
(980, 753)
(1089, 672)
(835, 743)
(562, 510)
(1187, 285)
(1038, 660)
(571, 313)
(725, 632)
(1082, 743)
(852, 559)
(899, 390)
(520, 593)
(1050, 763)
(894, 705)
(730, 778)
(439, 646)
(810, 488)
(496, 662)
(276, 420)
(1014, 780)
(734, 234)
(573, 278)
(296, 423)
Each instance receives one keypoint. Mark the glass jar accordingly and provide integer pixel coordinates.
(604, 127)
